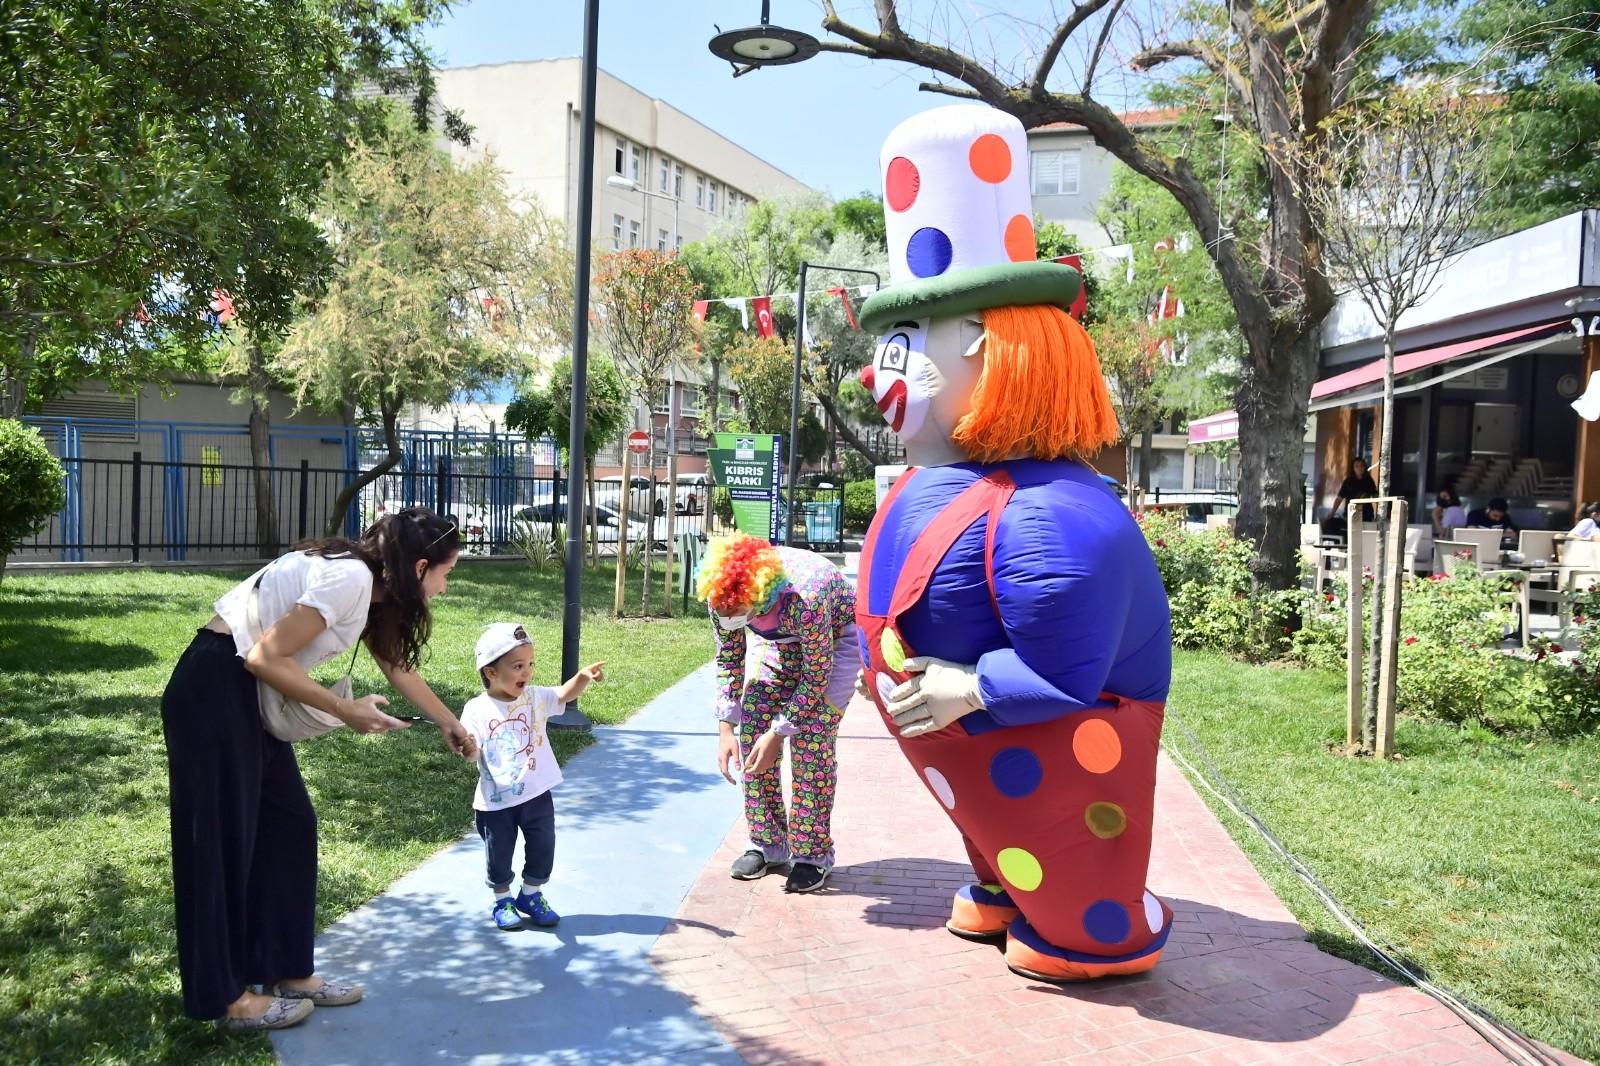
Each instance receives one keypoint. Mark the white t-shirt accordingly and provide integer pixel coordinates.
(339, 589)
(515, 762)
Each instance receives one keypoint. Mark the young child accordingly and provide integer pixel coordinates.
(517, 769)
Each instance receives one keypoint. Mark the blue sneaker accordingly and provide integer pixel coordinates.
(505, 915)
(537, 908)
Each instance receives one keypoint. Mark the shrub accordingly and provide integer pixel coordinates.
(1213, 599)
(32, 484)
(860, 504)
(722, 505)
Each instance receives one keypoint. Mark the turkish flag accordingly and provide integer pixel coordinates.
(700, 310)
(763, 309)
(1081, 303)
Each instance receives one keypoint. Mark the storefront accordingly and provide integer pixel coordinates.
(1485, 374)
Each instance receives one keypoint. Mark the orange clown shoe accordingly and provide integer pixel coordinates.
(1028, 955)
(981, 912)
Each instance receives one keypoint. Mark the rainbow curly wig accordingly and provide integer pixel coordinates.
(740, 574)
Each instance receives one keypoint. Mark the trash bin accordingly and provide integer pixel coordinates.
(822, 523)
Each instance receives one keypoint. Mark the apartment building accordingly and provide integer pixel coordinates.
(662, 179)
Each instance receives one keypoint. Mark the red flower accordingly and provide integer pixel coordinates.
(1160, 543)
(1329, 596)
(1554, 646)
(1578, 618)
(1411, 640)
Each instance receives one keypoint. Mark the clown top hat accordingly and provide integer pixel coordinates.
(959, 220)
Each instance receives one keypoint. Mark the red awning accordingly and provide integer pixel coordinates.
(1225, 425)
(1411, 362)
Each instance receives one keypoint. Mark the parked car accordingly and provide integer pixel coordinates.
(644, 495)
(1196, 507)
(607, 523)
(693, 490)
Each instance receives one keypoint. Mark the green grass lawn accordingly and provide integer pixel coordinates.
(1477, 856)
(88, 970)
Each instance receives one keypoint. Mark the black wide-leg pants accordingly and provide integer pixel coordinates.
(244, 834)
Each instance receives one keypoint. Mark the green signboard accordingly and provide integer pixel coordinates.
(748, 466)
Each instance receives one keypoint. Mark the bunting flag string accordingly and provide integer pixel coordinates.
(762, 305)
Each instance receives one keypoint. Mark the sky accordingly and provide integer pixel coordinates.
(821, 121)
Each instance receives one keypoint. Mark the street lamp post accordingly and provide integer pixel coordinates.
(794, 399)
(572, 606)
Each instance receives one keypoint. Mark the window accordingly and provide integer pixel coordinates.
(666, 173)
(633, 163)
(662, 240)
(1055, 173)
(677, 181)
(711, 199)
(616, 232)
(664, 400)
(679, 245)
(622, 153)
(689, 402)
(700, 191)
(633, 233)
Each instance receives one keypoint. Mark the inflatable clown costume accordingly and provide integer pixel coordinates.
(1014, 626)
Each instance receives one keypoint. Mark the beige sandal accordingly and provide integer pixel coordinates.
(328, 995)
(281, 1014)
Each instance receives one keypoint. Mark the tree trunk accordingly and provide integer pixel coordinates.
(649, 517)
(260, 453)
(1147, 447)
(848, 433)
(391, 441)
(15, 393)
(3, 559)
(1380, 563)
(594, 517)
(1272, 399)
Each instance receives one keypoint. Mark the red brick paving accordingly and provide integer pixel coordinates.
(864, 972)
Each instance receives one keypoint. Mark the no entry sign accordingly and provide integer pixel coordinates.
(638, 442)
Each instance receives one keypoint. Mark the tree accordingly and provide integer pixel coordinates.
(1396, 187)
(32, 485)
(157, 153)
(1278, 71)
(439, 289)
(1134, 361)
(863, 216)
(645, 303)
(547, 412)
(759, 252)
(1548, 142)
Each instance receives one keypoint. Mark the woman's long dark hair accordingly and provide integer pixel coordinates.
(398, 626)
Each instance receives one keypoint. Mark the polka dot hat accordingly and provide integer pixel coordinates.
(959, 218)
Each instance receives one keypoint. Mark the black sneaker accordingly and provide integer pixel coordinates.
(752, 865)
(805, 878)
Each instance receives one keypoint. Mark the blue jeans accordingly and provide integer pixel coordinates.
(536, 820)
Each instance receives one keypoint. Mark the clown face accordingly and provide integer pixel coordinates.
(922, 376)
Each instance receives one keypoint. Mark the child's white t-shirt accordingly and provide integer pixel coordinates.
(515, 762)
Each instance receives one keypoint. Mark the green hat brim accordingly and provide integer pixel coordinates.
(964, 291)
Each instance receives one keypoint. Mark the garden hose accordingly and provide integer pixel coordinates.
(1515, 1046)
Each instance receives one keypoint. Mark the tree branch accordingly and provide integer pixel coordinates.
(1100, 46)
(950, 90)
(1198, 50)
(1069, 25)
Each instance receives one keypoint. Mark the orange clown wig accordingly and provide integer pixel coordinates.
(740, 574)
(1041, 392)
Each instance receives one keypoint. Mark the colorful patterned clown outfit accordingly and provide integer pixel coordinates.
(794, 677)
(1035, 572)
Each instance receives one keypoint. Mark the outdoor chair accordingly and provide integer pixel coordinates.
(1450, 554)
(1537, 544)
(1488, 544)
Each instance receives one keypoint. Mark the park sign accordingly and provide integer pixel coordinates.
(748, 465)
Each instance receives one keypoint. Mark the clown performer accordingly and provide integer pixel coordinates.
(1014, 624)
(787, 659)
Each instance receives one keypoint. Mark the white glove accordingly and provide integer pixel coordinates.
(861, 685)
(937, 694)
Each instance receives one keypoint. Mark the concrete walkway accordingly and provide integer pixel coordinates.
(661, 957)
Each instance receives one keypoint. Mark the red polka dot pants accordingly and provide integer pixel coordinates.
(1060, 814)
(800, 830)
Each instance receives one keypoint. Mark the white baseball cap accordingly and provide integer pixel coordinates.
(498, 639)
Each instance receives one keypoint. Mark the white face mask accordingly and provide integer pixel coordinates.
(733, 621)
(901, 378)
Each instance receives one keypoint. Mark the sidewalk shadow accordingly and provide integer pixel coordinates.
(625, 775)
(444, 986)
(1221, 971)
